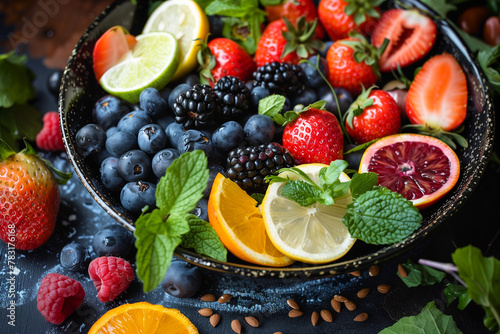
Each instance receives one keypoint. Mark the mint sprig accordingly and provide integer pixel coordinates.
(377, 215)
(161, 231)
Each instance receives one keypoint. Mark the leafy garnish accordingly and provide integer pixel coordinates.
(430, 321)
(489, 62)
(421, 275)
(159, 232)
(456, 291)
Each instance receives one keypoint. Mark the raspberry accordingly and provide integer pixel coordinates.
(111, 276)
(50, 137)
(58, 297)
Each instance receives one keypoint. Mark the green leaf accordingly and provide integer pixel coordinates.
(361, 183)
(183, 183)
(381, 216)
(301, 192)
(329, 175)
(272, 105)
(5, 150)
(454, 291)
(258, 197)
(203, 239)
(489, 62)
(421, 275)
(15, 80)
(226, 8)
(429, 321)
(442, 7)
(482, 276)
(19, 121)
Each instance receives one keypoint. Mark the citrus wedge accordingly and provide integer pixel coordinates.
(188, 23)
(313, 234)
(152, 63)
(238, 222)
(421, 168)
(143, 317)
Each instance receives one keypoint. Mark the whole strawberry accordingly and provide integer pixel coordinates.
(340, 17)
(29, 194)
(314, 136)
(373, 115)
(223, 57)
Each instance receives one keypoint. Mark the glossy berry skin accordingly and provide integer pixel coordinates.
(174, 131)
(50, 137)
(111, 131)
(121, 142)
(54, 82)
(152, 138)
(74, 257)
(259, 129)
(343, 96)
(228, 136)
(134, 121)
(213, 170)
(256, 94)
(306, 97)
(338, 24)
(347, 73)
(182, 279)
(135, 165)
(314, 137)
(136, 195)
(353, 158)
(376, 121)
(162, 160)
(271, 45)
(110, 177)
(201, 209)
(312, 78)
(108, 111)
(91, 138)
(113, 240)
(176, 91)
(191, 140)
(152, 103)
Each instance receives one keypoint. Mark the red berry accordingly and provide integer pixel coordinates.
(58, 297)
(111, 276)
(50, 137)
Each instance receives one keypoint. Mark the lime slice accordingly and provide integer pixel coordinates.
(188, 23)
(152, 63)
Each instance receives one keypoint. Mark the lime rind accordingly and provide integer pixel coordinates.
(152, 63)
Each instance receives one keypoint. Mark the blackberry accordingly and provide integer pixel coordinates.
(249, 165)
(233, 96)
(280, 78)
(196, 108)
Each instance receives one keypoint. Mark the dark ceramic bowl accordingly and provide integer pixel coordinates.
(80, 91)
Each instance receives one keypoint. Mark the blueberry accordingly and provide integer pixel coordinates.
(108, 111)
(176, 91)
(174, 131)
(110, 178)
(213, 170)
(112, 130)
(344, 97)
(133, 121)
(165, 121)
(312, 78)
(323, 52)
(152, 103)
(354, 158)
(259, 129)
(182, 279)
(54, 82)
(162, 160)
(121, 142)
(191, 79)
(191, 140)
(201, 209)
(74, 257)
(113, 240)
(257, 94)
(165, 93)
(90, 138)
(136, 195)
(228, 136)
(134, 165)
(152, 138)
(306, 97)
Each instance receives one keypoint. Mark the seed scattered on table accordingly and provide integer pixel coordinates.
(236, 326)
(383, 288)
(294, 313)
(225, 298)
(208, 297)
(206, 312)
(252, 321)
(326, 315)
(214, 319)
(363, 293)
(361, 317)
(350, 305)
(356, 273)
(402, 271)
(340, 298)
(314, 318)
(293, 304)
(374, 270)
(336, 305)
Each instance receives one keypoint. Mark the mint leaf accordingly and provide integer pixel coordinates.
(482, 276)
(489, 62)
(381, 216)
(183, 183)
(429, 321)
(329, 175)
(225, 8)
(258, 197)
(421, 275)
(454, 291)
(15, 80)
(203, 239)
(301, 192)
(361, 183)
(272, 105)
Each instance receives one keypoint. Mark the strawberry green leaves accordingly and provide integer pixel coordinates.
(161, 231)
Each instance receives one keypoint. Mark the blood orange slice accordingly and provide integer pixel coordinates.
(421, 168)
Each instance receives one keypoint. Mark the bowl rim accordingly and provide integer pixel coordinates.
(308, 271)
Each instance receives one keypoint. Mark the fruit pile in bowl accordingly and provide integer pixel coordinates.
(268, 140)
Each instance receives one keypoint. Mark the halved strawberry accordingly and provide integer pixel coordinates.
(411, 36)
(437, 98)
(110, 48)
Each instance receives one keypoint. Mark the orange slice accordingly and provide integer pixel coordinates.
(143, 317)
(421, 168)
(239, 224)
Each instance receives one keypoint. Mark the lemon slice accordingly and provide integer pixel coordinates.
(314, 234)
(152, 63)
(187, 22)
